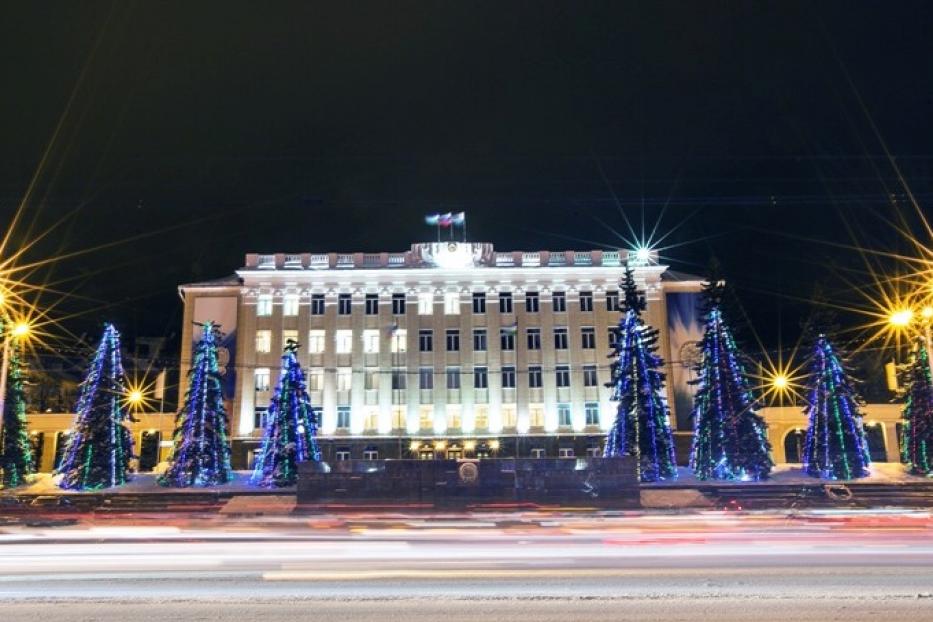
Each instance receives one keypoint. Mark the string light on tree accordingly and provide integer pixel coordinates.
(730, 440)
(642, 426)
(101, 447)
(290, 432)
(201, 455)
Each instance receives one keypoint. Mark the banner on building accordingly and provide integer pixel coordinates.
(221, 310)
(685, 332)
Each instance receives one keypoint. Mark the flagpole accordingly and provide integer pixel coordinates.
(464, 227)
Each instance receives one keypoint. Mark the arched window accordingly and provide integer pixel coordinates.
(874, 432)
(793, 446)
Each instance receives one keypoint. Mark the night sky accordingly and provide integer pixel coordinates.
(190, 133)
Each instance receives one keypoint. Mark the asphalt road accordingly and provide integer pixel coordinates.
(847, 566)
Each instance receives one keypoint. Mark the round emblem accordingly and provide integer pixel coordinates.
(452, 247)
(691, 355)
(468, 472)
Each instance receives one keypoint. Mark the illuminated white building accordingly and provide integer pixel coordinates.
(449, 349)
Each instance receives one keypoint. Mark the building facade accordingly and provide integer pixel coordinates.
(449, 349)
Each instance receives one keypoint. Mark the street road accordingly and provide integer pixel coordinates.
(508, 566)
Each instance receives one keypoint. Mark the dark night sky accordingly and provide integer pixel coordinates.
(213, 129)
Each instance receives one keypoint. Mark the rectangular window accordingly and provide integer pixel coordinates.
(613, 336)
(565, 452)
(537, 452)
(479, 339)
(343, 422)
(588, 337)
(559, 302)
(263, 341)
(316, 379)
(560, 338)
(452, 303)
(342, 455)
(317, 304)
(264, 305)
(372, 304)
(344, 378)
(536, 415)
(425, 303)
(591, 411)
(289, 335)
(481, 421)
(563, 415)
(534, 376)
(398, 304)
(586, 301)
(425, 340)
(508, 377)
(453, 377)
(262, 379)
(505, 302)
(480, 378)
(317, 416)
(316, 341)
(534, 338)
(344, 341)
(507, 339)
(372, 380)
(590, 378)
(370, 454)
(399, 380)
(399, 341)
(290, 305)
(453, 340)
(509, 415)
(426, 378)
(371, 341)
(563, 376)
(344, 304)
(531, 302)
(612, 300)
(479, 302)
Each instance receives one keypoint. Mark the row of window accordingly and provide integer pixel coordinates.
(536, 415)
(343, 339)
(426, 375)
(426, 303)
(456, 453)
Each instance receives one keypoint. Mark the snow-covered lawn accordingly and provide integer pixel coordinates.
(881, 473)
(47, 484)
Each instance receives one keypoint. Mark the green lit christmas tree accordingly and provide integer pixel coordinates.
(16, 459)
(730, 440)
(917, 448)
(101, 446)
(642, 426)
(201, 456)
(836, 447)
(290, 433)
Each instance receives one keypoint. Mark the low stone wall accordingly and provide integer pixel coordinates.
(605, 482)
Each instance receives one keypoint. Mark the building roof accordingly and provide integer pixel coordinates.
(231, 280)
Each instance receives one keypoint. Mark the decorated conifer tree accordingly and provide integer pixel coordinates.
(17, 452)
(917, 448)
(836, 447)
(730, 438)
(101, 446)
(201, 456)
(642, 426)
(290, 431)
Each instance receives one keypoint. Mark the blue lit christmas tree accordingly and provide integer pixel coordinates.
(642, 427)
(290, 433)
(730, 439)
(16, 460)
(917, 448)
(836, 447)
(201, 456)
(101, 446)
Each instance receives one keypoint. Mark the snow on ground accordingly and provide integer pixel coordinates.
(47, 484)
(792, 474)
